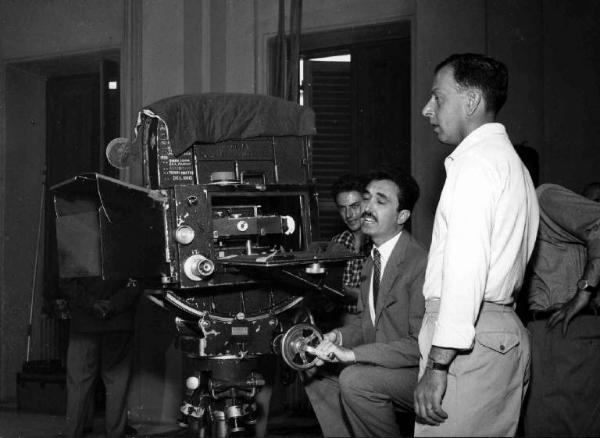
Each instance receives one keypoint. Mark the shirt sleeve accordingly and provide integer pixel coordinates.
(591, 271)
(467, 252)
(126, 296)
(572, 215)
(76, 294)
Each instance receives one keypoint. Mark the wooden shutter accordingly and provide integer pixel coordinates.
(328, 92)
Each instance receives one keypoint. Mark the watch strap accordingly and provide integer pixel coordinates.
(437, 366)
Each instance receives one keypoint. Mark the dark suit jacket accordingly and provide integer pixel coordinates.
(392, 342)
(81, 294)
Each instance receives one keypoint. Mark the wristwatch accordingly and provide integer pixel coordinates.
(583, 284)
(436, 366)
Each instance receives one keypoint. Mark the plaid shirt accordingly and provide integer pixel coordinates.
(351, 276)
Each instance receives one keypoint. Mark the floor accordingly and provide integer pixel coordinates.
(16, 424)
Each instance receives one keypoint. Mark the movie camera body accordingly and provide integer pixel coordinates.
(223, 225)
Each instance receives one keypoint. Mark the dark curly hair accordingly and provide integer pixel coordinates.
(348, 183)
(408, 195)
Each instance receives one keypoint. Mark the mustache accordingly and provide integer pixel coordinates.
(368, 214)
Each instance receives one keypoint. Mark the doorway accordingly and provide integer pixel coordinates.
(33, 164)
(83, 114)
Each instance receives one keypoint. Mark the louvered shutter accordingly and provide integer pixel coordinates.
(329, 93)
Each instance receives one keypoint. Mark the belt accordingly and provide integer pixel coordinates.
(433, 306)
(541, 315)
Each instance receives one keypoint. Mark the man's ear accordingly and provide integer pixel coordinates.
(403, 216)
(473, 101)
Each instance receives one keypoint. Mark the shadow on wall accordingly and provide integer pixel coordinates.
(531, 159)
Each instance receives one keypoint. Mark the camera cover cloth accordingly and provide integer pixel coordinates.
(216, 117)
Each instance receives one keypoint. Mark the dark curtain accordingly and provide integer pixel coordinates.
(287, 56)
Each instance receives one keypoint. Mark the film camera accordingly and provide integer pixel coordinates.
(223, 226)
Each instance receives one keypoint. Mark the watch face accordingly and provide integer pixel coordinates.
(583, 284)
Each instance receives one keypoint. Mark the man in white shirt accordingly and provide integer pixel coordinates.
(474, 350)
(378, 348)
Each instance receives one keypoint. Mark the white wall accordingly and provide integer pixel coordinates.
(162, 49)
(33, 28)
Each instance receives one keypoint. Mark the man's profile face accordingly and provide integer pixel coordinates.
(445, 109)
(381, 218)
(349, 205)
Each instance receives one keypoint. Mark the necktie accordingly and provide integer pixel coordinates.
(376, 275)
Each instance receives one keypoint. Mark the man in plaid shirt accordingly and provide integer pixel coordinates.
(347, 192)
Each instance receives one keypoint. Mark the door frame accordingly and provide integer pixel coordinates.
(42, 66)
(329, 42)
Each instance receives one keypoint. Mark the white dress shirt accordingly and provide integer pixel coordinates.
(483, 234)
(385, 250)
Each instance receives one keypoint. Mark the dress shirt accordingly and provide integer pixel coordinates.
(567, 249)
(385, 250)
(483, 234)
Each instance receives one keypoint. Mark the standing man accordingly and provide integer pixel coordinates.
(474, 349)
(347, 193)
(100, 343)
(378, 348)
(564, 397)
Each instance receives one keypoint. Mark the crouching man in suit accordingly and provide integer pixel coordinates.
(377, 351)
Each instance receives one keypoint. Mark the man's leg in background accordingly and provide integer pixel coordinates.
(82, 368)
(116, 373)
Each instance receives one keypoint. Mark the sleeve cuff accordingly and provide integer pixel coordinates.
(338, 337)
(451, 335)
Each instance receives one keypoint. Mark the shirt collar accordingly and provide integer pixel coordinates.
(386, 248)
(348, 236)
(474, 137)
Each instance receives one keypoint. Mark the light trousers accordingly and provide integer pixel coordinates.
(487, 384)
